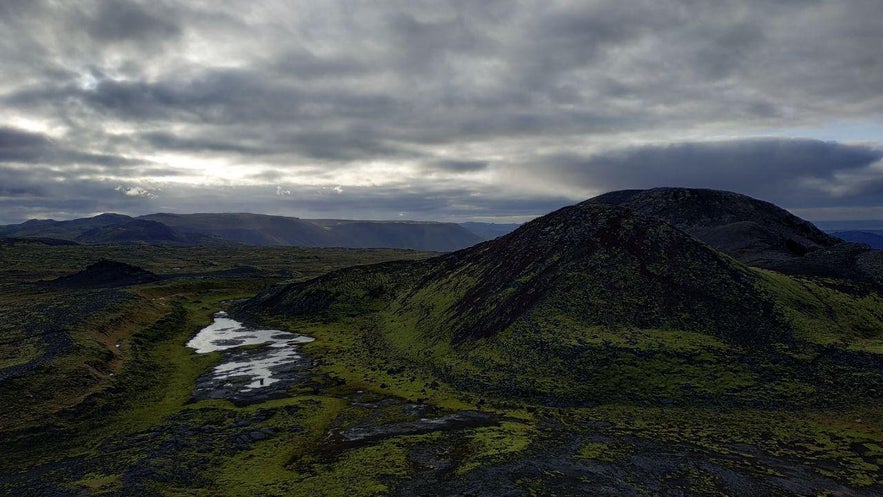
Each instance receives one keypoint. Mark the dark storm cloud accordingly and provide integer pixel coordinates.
(21, 183)
(305, 65)
(118, 20)
(423, 45)
(33, 193)
(168, 141)
(798, 173)
(458, 166)
(17, 145)
(341, 145)
(34, 148)
(213, 95)
(288, 93)
(721, 162)
(221, 95)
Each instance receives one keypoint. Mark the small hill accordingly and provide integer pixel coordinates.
(844, 261)
(106, 274)
(64, 230)
(604, 266)
(142, 231)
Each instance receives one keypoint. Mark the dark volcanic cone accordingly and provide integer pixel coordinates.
(106, 274)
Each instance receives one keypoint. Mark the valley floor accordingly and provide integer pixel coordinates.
(98, 400)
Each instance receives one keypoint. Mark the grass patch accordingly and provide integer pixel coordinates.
(495, 444)
(823, 314)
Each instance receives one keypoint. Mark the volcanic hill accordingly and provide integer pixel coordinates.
(596, 302)
(757, 233)
(106, 274)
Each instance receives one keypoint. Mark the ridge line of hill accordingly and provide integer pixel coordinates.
(208, 229)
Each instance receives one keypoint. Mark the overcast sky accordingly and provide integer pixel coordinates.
(482, 110)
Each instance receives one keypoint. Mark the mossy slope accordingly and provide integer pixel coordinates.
(591, 304)
(596, 264)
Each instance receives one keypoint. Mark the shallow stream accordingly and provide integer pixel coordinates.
(257, 364)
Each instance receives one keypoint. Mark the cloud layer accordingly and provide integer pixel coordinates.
(434, 110)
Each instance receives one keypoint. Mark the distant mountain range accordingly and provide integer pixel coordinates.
(873, 238)
(259, 230)
(850, 225)
(869, 232)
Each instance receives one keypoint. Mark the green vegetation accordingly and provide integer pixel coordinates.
(843, 445)
(609, 353)
(562, 348)
(610, 322)
(29, 263)
(114, 358)
(828, 312)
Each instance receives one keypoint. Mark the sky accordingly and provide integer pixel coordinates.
(431, 110)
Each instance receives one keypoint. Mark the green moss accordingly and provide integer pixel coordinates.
(19, 352)
(494, 444)
(823, 439)
(392, 335)
(595, 450)
(96, 482)
(359, 472)
(265, 468)
(825, 315)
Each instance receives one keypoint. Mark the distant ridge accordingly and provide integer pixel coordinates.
(63, 230)
(753, 231)
(873, 239)
(266, 230)
(36, 241)
(144, 231)
(851, 225)
(250, 229)
(211, 229)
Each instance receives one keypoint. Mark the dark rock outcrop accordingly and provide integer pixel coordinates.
(106, 274)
